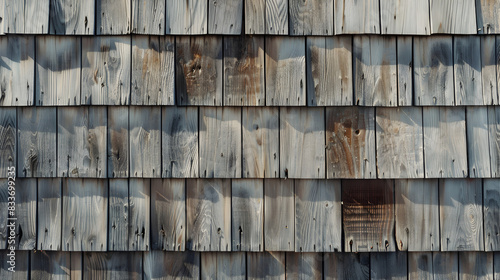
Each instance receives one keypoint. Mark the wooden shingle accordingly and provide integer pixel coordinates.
(25, 214)
(73, 17)
(171, 264)
(357, 17)
(268, 265)
(50, 265)
(148, 17)
(453, 16)
(491, 194)
(255, 16)
(391, 265)
(118, 142)
(139, 197)
(311, 17)
(112, 265)
(420, 265)
(347, 265)
(467, 70)
(223, 265)
(186, 17)
(8, 141)
(304, 266)
(225, 17)
(489, 57)
(445, 265)
(277, 17)
(404, 47)
(49, 211)
(488, 17)
(494, 140)
(36, 16)
(21, 269)
(279, 215)
(113, 17)
(13, 16)
(404, 17)
(478, 156)
(475, 264)
(118, 215)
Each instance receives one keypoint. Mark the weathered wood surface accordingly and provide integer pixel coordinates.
(399, 141)
(417, 215)
(208, 215)
(244, 71)
(49, 213)
(357, 17)
(391, 265)
(375, 71)
(304, 266)
(168, 214)
(58, 66)
(247, 215)
(50, 265)
(494, 139)
(220, 142)
(420, 266)
(118, 216)
(179, 136)
(347, 266)
(433, 71)
(453, 16)
(186, 17)
(445, 265)
(76, 263)
(25, 214)
(81, 140)
(368, 215)
(285, 71)
(489, 56)
(302, 142)
(261, 152)
(475, 265)
(277, 17)
(266, 265)
(496, 265)
(350, 142)
(255, 16)
(404, 47)
(491, 203)
(477, 141)
(145, 141)
(223, 265)
(85, 208)
(445, 145)
(225, 17)
(171, 265)
(112, 265)
(118, 142)
(488, 17)
(139, 214)
(461, 214)
(467, 70)
(279, 215)
(106, 70)
(198, 76)
(36, 16)
(311, 17)
(113, 17)
(13, 16)
(22, 265)
(148, 17)
(405, 17)
(329, 71)
(318, 212)
(153, 67)
(17, 70)
(71, 17)
(8, 140)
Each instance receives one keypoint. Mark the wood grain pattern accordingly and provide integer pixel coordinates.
(475, 265)
(487, 17)
(255, 16)
(304, 266)
(404, 17)
(225, 17)
(186, 17)
(8, 137)
(329, 71)
(491, 203)
(113, 17)
(36, 16)
(350, 142)
(50, 265)
(391, 265)
(489, 56)
(277, 17)
(76, 263)
(279, 218)
(496, 264)
(71, 17)
(112, 265)
(139, 214)
(405, 70)
(420, 266)
(266, 265)
(494, 140)
(445, 265)
(148, 17)
(357, 17)
(14, 16)
(119, 218)
(153, 67)
(171, 265)
(21, 269)
(223, 265)
(311, 17)
(25, 214)
(347, 266)
(453, 16)
(4, 200)
(477, 140)
(467, 70)
(118, 142)
(285, 71)
(49, 213)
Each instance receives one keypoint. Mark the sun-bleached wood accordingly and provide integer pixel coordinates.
(279, 215)
(118, 142)
(494, 140)
(225, 17)
(467, 70)
(118, 215)
(405, 17)
(25, 214)
(223, 265)
(8, 141)
(255, 16)
(357, 17)
(71, 17)
(177, 265)
(491, 205)
(148, 17)
(139, 197)
(453, 16)
(186, 17)
(489, 56)
(49, 212)
(13, 19)
(488, 17)
(477, 141)
(277, 17)
(113, 17)
(405, 70)
(36, 16)
(311, 17)
(112, 265)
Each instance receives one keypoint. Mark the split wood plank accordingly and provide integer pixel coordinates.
(113, 17)
(8, 141)
(477, 141)
(277, 17)
(475, 265)
(329, 71)
(37, 142)
(489, 56)
(112, 265)
(467, 70)
(350, 138)
(368, 215)
(445, 145)
(139, 214)
(453, 16)
(311, 17)
(72, 17)
(304, 265)
(85, 208)
(50, 265)
(225, 17)
(208, 215)
(255, 16)
(186, 17)
(347, 266)
(285, 71)
(488, 17)
(494, 140)
(433, 71)
(391, 265)
(106, 63)
(357, 17)
(171, 265)
(180, 142)
(22, 261)
(13, 17)
(168, 214)
(400, 147)
(375, 70)
(49, 214)
(36, 16)
(279, 215)
(199, 71)
(461, 214)
(119, 218)
(405, 17)
(148, 17)
(445, 265)
(153, 67)
(405, 70)
(25, 214)
(261, 152)
(220, 142)
(417, 215)
(223, 265)
(145, 141)
(58, 66)
(17, 70)
(244, 71)
(420, 266)
(266, 265)
(118, 142)
(491, 203)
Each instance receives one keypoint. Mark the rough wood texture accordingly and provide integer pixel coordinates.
(25, 214)
(489, 56)
(148, 17)
(13, 16)
(347, 266)
(329, 71)
(285, 71)
(400, 144)
(266, 265)
(22, 265)
(171, 265)
(139, 214)
(113, 17)
(220, 142)
(433, 71)
(198, 73)
(304, 266)
(36, 16)
(244, 71)
(350, 142)
(453, 16)
(261, 151)
(112, 265)
(118, 142)
(467, 70)
(186, 17)
(50, 265)
(277, 17)
(49, 214)
(36, 150)
(208, 215)
(445, 265)
(302, 143)
(223, 266)
(179, 135)
(420, 266)
(405, 70)
(279, 218)
(119, 218)
(225, 17)
(318, 212)
(461, 214)
(17, 70)
(404, 17)
(488, 17)
(494, 139)
(496, 265)
(491, 194)
(445, 145)
(311, 17)
(58, 70)
(4, 200)
(73, 17)
(76, 263)
(477, 141)
(8, 143)
(475, 265)
(375, 71)
(417, 215)
(153, 66)
(368, 215)
(357, 17)
(106, 70)
(255, 16)
(85, 208)
(388, 265)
